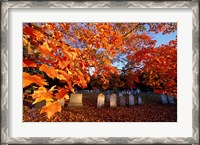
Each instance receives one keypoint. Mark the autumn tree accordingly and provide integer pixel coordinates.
(65, 52)
(157, 65)
(159, 68)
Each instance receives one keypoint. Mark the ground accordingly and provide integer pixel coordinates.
(152, 110)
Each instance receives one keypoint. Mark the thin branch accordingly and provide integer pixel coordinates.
(131, 30)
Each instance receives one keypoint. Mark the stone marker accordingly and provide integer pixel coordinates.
(113, 100)
(120, 94)
(139, 100)
(138, 91)
(100, 100)
(108, 97)
(131, 100)
(164, 99)
(75, 100)
(171, 99)
(40, 104)
(62, 102)
(122, 101)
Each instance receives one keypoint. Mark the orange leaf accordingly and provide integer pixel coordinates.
(39, 80)
(50, 71)
(42, 94)
(65, 76)
(61, 93)
(51, 109)
(28, 79)
(45, 49)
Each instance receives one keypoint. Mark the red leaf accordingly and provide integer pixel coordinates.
(29, 63)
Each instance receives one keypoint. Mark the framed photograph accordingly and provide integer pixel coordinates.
(100, 72)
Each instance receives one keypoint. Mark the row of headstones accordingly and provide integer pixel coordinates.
(137, 91)
(91, 91)
(166, 98)
(113, 100)
(76, 100)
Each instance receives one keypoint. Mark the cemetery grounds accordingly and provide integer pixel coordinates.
(151, 110)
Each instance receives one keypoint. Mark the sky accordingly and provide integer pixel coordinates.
(164, 39)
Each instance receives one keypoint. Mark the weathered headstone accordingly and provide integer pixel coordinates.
(164, 99)
(148, 91)
(40, 104)
(171, 99)
(62, 102)
(108, 97)
(139, 100)
(75, 100)
(113, 100)
(131, 100)
(138, 91)
(122, 101)
(100, 100)
(120, 94)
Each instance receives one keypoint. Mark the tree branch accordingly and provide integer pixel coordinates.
(131, 30)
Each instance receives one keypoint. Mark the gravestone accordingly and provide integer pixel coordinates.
(138, 91)
(164, 99)
(40, 104)
(62, 102)
(113, 100)
(122, 101)
(171, 99)
(131, 100)
(148, 91)
(120, 94)
(75, 100)
(139, 100)
(100, 100)
(108, 97)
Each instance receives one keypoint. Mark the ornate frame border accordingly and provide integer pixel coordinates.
(5, 139)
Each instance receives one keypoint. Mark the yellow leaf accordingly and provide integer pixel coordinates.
(42, 94)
